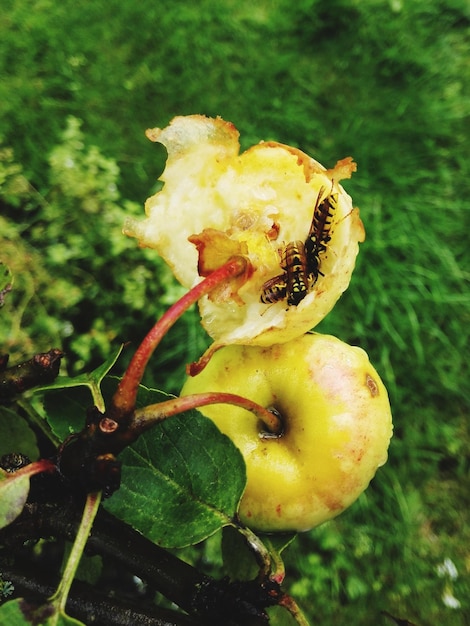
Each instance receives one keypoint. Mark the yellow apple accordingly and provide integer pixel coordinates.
(337, 425)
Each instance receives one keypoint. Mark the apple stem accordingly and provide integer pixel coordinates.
(124, 399)
(148, 416)
(278, 570)
(291, 605)
(43, 465)
(260, 552)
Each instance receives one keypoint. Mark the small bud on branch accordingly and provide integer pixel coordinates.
(39, 370)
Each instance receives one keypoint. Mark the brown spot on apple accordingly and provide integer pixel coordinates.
(359, 455)
(372, 386)
(332, 502)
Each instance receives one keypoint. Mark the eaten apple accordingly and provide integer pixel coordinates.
(216, 203)
(336, 427)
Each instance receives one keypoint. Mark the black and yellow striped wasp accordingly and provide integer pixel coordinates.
(301, 261)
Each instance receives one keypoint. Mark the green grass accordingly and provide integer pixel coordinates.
(388, 83)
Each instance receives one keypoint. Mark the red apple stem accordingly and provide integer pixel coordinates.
(43, 465)
(148, 416)
(291, 605)
(124, 399)
(278, 570)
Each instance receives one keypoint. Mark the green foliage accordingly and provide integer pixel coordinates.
(13, 492)
(387, 82)
(69, 405)
(16, 436)
(192, 474)
(191, 471)
(14, 489)
(64, 281)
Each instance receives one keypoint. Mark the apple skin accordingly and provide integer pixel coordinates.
(337, 427)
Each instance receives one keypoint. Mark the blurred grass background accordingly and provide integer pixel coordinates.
(385, 82)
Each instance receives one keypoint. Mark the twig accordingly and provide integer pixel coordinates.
(213, 601)
(89, 605)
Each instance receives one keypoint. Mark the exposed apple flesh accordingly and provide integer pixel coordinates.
(216, 202)
(337, 427)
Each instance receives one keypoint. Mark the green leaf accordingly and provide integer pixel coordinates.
(90, 569)
(14, 491)
(91, 380)
(21, 612)
(278, 616)
(147, 396)
(66, 408)
(67, 399)
(181, 482)
(278, 542)
(16, 435)
(11, 613)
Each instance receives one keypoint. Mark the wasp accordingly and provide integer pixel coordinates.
(274, 289)
(294, 282)
(301, 260)
(295, 266)
(319, 234)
